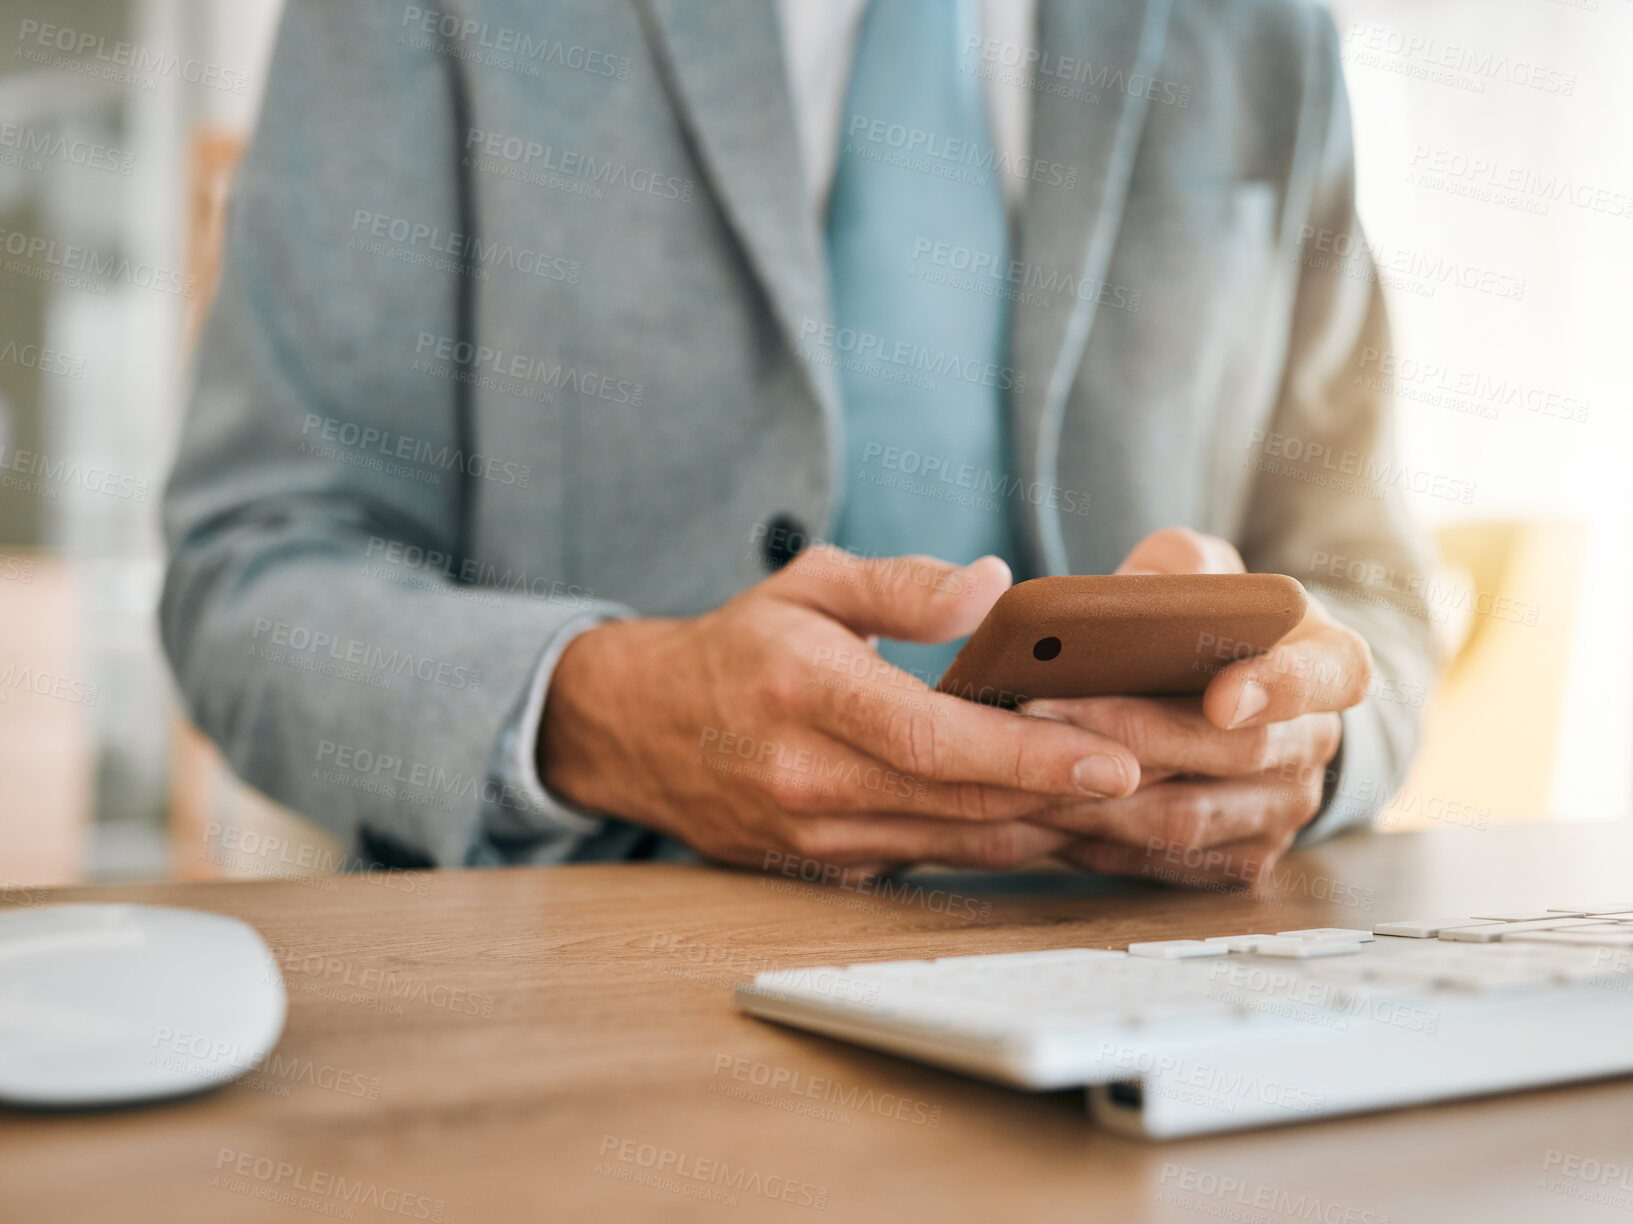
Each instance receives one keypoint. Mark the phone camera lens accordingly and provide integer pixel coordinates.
(1046, 649)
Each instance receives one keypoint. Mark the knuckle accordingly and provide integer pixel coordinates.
(1184, 817)
(1000, 847)
(1258, 749)
(788, 794)
(810, 840)
(974, 801)
(786, 684)
(911, 743)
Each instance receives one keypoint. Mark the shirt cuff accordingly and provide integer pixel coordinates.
(1357, 783)
(546, 811)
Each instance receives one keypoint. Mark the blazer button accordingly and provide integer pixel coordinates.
(785, 538)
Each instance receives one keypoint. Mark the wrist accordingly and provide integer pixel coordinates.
(583, 752)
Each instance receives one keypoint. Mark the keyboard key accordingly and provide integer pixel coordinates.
(1425, 928)
(1305, 949)
(1176, 949)
(1605, 907)
(1007, 960)
(1530, 915)
(1502, 930)
(1358, 936)
(1573, 937)
(1239, 943)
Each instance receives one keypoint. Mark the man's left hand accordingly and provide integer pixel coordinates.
(1227, 781)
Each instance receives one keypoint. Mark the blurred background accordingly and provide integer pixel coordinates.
(1493, 137)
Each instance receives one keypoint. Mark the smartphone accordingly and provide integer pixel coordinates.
(1121, 634)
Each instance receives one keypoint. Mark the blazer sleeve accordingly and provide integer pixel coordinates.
(313, 609)
(1326, 505)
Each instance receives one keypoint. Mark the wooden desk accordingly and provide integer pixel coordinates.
(464, 1046)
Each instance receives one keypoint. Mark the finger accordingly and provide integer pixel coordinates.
(1192, 814)
(1320, 666)
(1240, 864)
(1170, 735)
(911, 598)
(846, 841)
(940, 738)
(1179, 550)
(825, 775)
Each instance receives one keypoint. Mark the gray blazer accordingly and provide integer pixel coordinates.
(514, 332)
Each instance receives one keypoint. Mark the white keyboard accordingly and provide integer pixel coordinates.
(1182, 1037)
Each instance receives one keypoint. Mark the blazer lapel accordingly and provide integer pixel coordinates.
(1070, 231)
(723, 63)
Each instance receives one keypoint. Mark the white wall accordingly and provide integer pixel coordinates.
(1568, 335)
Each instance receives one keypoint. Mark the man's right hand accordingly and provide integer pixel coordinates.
(772, 725)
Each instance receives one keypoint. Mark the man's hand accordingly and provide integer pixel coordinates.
(1227, 782)
(771, 724)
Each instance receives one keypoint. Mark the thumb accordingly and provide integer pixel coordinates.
(910, 598)
(1179, 550)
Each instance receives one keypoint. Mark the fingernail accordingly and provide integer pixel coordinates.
(1252, 701)
(1100, 775)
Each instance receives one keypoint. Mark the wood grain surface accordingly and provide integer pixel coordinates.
(502, 1045)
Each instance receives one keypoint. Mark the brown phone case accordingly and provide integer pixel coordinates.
(1121, 634)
